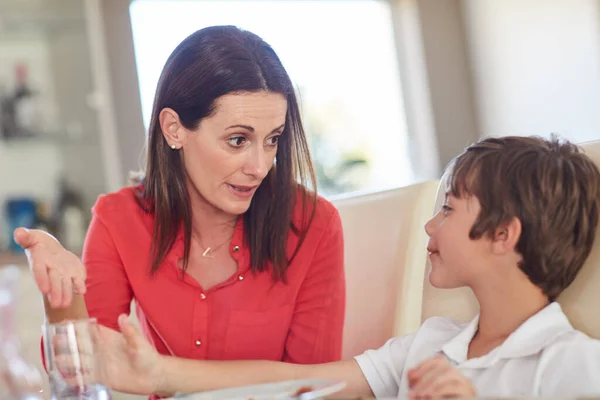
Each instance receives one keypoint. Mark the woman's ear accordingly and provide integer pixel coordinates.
(172, 129)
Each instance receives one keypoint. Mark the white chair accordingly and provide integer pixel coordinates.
(384, 239)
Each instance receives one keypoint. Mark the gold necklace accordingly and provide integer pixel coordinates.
(209, 250)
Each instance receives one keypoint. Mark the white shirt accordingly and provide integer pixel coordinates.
(545, 356)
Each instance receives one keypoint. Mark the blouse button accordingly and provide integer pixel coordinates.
(236, 249)
(240, 277)
(202, 296)
(198, 343)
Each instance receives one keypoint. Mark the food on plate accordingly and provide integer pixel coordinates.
(303, 389)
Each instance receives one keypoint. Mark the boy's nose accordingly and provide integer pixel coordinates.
(430, 227)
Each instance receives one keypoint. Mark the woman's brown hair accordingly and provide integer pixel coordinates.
(208, 64)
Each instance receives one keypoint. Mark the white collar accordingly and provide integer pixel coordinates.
(529, 338)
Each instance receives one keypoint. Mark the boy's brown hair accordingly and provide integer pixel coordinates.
(550, 186)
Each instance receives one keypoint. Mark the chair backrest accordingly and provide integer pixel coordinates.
(384, 241)
(579, 301)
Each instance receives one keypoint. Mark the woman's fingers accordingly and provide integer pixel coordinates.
(57, 272)
(55, 293)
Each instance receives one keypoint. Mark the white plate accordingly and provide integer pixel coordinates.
(280, 390)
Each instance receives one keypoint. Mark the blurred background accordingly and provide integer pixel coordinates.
(390, 90)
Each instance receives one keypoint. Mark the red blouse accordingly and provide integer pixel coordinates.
(246, 317)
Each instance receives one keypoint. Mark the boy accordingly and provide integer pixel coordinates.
(518, 223)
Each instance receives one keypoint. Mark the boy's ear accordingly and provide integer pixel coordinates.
(507, 236)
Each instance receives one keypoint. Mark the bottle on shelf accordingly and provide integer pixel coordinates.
(70, 217)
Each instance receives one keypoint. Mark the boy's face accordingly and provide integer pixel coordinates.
(455, 258)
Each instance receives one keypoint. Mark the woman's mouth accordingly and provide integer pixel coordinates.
(242, 191)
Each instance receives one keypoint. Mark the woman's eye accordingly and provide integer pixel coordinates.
(237, 141)
(273, 140)
(446, 209)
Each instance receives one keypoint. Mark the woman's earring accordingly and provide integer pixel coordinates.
(173, 146)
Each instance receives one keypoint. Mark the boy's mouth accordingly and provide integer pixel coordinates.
(432, 251)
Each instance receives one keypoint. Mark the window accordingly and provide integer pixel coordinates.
(340, 55)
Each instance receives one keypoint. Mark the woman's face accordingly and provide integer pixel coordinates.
(230, 153)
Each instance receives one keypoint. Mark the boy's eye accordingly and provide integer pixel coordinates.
(446, 209)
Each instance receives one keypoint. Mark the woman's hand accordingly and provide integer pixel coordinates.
(132, 365)
(436, 378)
(57, 272)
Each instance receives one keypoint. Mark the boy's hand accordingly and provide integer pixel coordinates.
(436, 378)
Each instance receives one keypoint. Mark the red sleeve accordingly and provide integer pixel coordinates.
(109, 293)
(315, 334)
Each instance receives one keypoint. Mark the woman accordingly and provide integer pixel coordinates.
(226, 255)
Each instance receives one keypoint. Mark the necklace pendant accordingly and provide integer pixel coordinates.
(207, 254)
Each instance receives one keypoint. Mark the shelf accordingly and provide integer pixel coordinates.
(48, 138)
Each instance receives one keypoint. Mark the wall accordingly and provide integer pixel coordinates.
(124, 83)
(536, 66)
(473, 68)
(450, 81)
